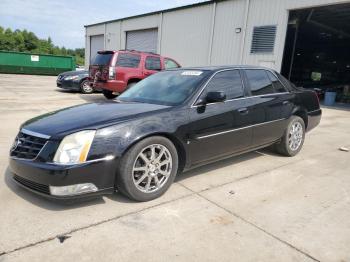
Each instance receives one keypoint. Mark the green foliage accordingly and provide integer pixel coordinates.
(24, 41)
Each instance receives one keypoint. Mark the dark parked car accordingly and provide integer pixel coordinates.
(172, 121)
(75, 80)
(116, 71)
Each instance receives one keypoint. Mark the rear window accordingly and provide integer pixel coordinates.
(259, 82)
(279, 88)
(102, 59)
(128, 60)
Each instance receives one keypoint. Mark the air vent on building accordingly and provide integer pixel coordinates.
(263, 39)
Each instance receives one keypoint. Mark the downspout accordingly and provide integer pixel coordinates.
(160, 33)
(105, 36)
(212, 33)
(245, 24)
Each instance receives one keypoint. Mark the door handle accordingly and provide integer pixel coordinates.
(286, 102)
(243, 111)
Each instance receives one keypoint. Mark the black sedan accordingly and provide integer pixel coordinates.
(75, 81)
(170, 122)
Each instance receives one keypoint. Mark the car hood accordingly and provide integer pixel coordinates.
(88, 116)
(74, 73)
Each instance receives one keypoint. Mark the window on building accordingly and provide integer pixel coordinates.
(259, 82)
(229, 82)
(279, 88)
(153, 63)
(168, 63)
(128, 60)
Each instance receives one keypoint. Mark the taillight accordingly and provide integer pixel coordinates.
(111, 72)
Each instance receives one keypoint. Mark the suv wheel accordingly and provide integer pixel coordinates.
(108, 94)
(85, 87)
(293, 138)
(147, 169)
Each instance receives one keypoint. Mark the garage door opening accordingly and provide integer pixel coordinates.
(317, 51)
(96, 44)
(142, 40)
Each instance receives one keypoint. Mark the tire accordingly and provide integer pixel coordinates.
(108, 94)
(85, 87)
(136, 178)
(290, 146)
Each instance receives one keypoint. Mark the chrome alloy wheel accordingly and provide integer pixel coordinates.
(295, 136)
(152, 168)
(86, 87)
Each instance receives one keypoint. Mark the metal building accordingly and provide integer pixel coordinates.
(221, 32)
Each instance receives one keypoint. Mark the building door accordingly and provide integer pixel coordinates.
(96, 44)
(142, 40)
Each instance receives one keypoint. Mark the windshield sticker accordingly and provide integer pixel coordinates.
(191, 73)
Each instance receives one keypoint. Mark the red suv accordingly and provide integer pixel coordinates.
(116, 71)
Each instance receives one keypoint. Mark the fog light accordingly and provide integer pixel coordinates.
(72, 189)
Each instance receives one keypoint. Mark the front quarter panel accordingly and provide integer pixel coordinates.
(117, 139)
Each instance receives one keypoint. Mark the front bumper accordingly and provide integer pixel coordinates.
(69, 84)
(38, 176)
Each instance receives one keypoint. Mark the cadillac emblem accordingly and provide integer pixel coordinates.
(15, 144)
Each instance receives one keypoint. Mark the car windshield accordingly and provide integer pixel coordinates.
(165, 88)
(102, 59)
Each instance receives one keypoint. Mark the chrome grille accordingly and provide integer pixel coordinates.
(27, 146)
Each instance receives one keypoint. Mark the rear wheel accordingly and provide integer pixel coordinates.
(85, 87)
(293, 138)
(148, 169)
(108, 94)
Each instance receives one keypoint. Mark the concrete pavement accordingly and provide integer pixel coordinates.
(256, 207)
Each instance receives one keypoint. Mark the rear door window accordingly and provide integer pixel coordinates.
(128, 60)
(277, 85)
(259, 82)
(229, 82)
(168, 63)
(153, 63)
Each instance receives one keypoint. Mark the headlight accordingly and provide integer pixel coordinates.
(74, 148)
(71, 77)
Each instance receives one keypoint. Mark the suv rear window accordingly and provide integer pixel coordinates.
(102, 59)
(128, 60)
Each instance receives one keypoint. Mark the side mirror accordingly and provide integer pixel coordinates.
(213, 97)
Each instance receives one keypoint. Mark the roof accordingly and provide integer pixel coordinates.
(157, 12)
(217, 68)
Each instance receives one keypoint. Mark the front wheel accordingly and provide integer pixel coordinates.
(85, 87)
(108, 94)
(293, 138)
(148, 169)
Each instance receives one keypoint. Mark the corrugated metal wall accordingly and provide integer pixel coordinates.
(206, 34)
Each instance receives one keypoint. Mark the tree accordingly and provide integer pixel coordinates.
(25, 41)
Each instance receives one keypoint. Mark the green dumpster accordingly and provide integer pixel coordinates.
(34, 64)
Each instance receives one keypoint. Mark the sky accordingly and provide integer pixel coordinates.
(64, 20)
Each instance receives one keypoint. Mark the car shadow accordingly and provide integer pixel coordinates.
(60, 205)
(217, 165)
